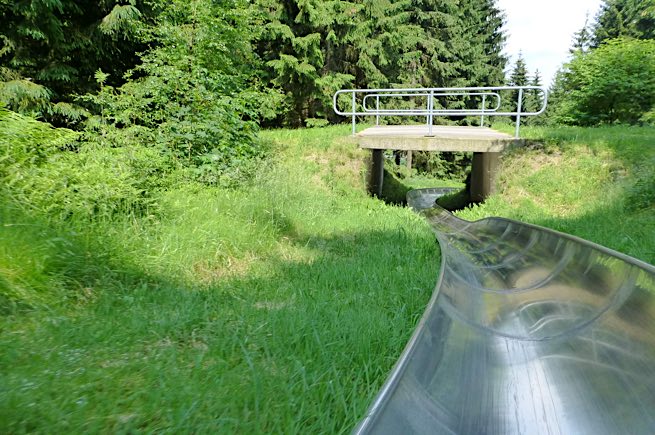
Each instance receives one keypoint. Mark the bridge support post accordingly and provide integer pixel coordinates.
(376, 173)
(483, 175)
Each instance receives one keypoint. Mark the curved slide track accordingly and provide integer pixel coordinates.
(528, 331)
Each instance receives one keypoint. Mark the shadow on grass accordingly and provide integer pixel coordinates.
(611, 226)
(290, 346)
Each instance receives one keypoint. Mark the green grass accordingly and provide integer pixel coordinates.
(596, 183)
(280, 306)
(398, 181)
(277, 307)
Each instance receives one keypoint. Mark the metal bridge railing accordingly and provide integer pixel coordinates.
(421, 102)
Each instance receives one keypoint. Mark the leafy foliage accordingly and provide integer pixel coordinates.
(57, 45)
(313, 48)
(49, 173)
(613, 83)
(193, 97)
(607, 79)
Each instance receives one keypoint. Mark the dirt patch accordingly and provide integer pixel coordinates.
(315, 158)
(531, 161)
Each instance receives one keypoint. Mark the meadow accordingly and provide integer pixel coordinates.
(273, 307)
(279, 305)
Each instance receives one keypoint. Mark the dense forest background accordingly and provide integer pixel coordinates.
(188, 83)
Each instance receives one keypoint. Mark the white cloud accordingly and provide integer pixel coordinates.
(543, 30)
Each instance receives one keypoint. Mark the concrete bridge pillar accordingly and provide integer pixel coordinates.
(483, 175)
(376, 173)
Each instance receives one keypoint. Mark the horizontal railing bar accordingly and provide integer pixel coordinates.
(431, 93)
(427, 94)
(425, 112)
(480, 88)
(451, 113)
(441, 94)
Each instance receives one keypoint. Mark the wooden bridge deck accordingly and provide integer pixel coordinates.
(443, 138)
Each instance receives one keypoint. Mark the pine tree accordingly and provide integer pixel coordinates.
(537, 95)
(557, 96)
(533, 99)
(58, 45)
(632, 18)
(308, 52)
(314, 48)
(582, 38)
(518, 77)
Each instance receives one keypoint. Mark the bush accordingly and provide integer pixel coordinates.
(613, 83)
(194, 96)
(48, 171)
(641, 195)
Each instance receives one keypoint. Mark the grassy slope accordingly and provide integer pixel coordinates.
(275, 308)
(596, 183)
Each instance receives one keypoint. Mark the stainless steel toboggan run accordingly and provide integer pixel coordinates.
(529, 331)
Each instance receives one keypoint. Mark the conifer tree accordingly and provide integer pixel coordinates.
(538, 97)
(518, 77)
(533, 99)
(632, 18)
(51, 49)
(582, 38)
(314, 48)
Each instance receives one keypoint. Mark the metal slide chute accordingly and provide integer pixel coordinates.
(528, 331)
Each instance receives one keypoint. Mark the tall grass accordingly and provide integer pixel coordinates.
(276, 307)
(596, 183)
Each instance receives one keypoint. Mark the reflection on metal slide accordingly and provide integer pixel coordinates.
(528, 331)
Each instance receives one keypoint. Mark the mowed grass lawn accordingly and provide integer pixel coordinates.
(280, 306)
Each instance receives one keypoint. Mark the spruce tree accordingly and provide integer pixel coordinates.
(309, 51)
(538, 97)
(582, 38)
(533, 99)
(518, 77)
(314, 48)
(58, 45)
(632, 18)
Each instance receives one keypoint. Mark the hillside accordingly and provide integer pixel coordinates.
(277, 306)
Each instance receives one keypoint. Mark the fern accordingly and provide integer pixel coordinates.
(57, 72)
(7, 45)
(24, 96)
(7, 74)
(25, 142)
(122, 20)
(69, 111)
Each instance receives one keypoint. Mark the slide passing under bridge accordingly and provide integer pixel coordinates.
(528, 331)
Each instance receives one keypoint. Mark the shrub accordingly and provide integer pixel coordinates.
(48, 171)
(194, 96)
(613, 83)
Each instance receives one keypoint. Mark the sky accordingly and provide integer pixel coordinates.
(543, 30)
